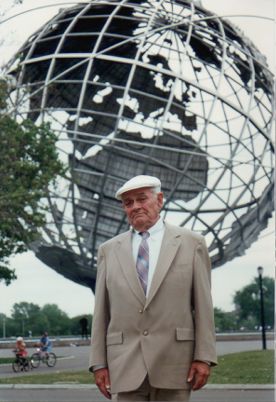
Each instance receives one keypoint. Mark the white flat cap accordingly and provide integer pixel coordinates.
(138, 182)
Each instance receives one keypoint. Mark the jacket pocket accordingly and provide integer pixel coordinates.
(115, 338)
(185, 334)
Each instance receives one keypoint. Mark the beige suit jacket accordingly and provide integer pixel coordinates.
(161, 335)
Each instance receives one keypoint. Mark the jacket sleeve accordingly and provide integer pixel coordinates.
(205, 338)
(100, 316)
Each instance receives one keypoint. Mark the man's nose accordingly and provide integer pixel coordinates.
(136, 204)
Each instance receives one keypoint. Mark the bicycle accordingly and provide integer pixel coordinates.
(21, 363)
(48, 358)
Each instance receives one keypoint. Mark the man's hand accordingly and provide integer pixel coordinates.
(103, 382)
(198, 374)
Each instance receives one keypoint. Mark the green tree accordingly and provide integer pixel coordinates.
(225, 321)
(29, 163)
(28, 317)
(8, 327)
(58, 321)
(247, 303)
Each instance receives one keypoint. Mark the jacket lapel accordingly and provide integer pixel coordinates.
(127, 264)
(170, 243)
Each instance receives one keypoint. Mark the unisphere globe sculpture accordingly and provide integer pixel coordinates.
(154, 87)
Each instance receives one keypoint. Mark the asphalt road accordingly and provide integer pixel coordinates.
(69, 358)
(76, 357)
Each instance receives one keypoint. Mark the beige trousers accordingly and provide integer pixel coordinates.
(148, 393)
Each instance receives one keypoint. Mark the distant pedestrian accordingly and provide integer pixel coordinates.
(84, 327)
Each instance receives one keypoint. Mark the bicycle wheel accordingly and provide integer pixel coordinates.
(51, 359)
(35, 360)
(27, 365)
(16, 366)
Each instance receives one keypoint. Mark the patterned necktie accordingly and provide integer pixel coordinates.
(142, 264)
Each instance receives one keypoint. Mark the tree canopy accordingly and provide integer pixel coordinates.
(247, 303)
(246, 315)
(29, 163)
(29, 318)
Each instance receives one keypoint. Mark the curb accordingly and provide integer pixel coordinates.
(48, 386)
(244, 387)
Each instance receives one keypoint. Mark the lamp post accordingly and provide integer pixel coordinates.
(4, 327)
(260, 272)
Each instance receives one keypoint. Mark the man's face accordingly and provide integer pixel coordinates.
(142, 207)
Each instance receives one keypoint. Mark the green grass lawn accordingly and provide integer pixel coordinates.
(6, 360)
(69, 377)
(237, 368)
(245, 368)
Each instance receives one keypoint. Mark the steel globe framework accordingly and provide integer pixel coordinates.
(155, 87)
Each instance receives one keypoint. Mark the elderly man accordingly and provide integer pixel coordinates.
(153, 333)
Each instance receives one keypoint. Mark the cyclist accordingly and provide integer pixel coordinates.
(20, 347)
(45, 343)
(44, 354)
(21, 350)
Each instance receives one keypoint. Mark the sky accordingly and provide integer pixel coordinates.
(38, 283)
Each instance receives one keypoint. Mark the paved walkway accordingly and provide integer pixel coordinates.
(89, 393)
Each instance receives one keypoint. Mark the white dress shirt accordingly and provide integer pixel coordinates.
(154, 241)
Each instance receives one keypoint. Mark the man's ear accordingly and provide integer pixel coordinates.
(160, 197)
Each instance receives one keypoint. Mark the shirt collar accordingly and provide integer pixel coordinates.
(159, 225)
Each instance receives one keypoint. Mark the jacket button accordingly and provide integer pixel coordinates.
(145, 332)
(140, 311)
